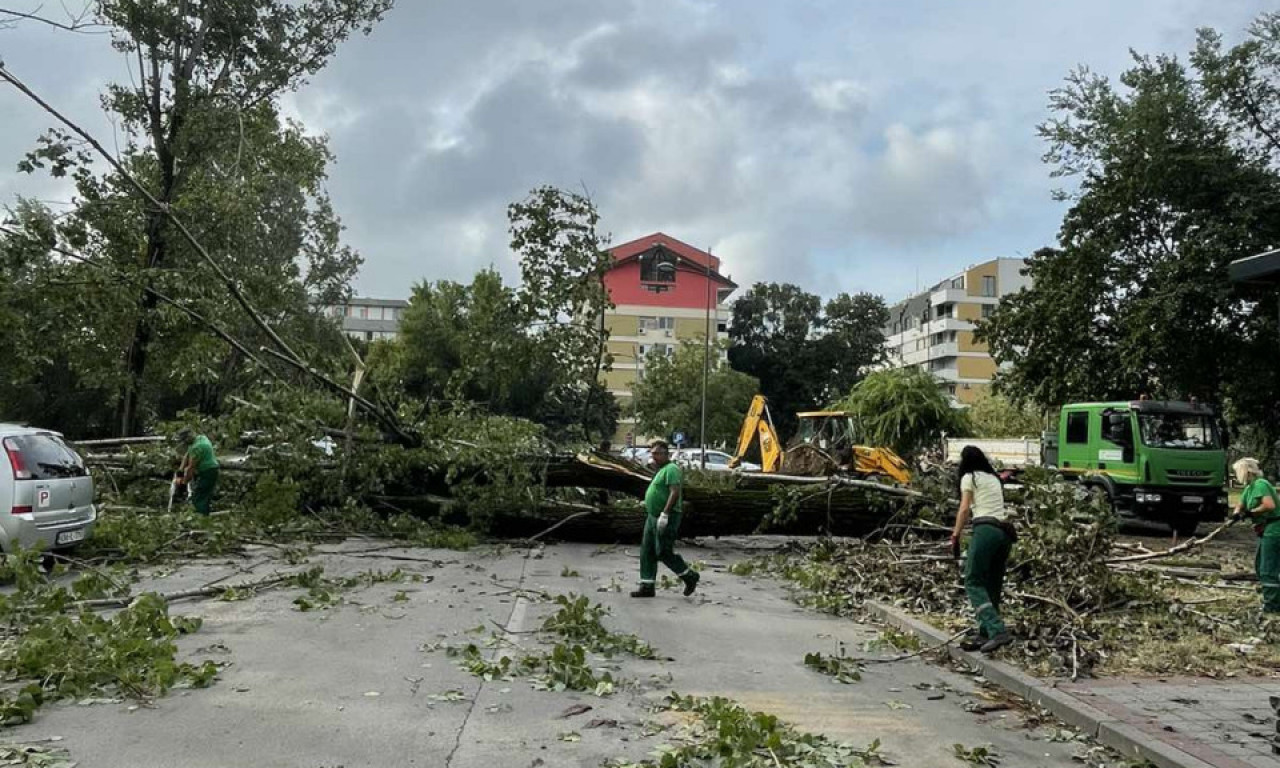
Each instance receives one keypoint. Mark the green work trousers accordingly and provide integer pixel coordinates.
(655, 548)
(1267, 564)
(984, 575)
(205, 483)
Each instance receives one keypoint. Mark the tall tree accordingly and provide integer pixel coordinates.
(531, 351)
(206, 141)
(1136, 298)
(669, 397)
(805, 355)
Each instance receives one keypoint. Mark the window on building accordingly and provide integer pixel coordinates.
(987, 309)
(351, 311)
(958, 282)
(945, 311)
(1078, 427)
(722, 327)
(989, 285)
(651, 324)
(362, 312)
(658, 266)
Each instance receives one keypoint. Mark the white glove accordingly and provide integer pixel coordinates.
(662, 523)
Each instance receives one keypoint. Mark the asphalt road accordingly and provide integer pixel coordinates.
(352, 685)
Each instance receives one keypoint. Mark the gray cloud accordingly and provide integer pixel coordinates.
(843, 146)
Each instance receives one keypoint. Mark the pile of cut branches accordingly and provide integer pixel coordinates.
(1073, 613)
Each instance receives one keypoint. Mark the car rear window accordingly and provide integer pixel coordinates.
(42, 457)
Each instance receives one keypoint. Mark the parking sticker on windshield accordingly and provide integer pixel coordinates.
(43, 497)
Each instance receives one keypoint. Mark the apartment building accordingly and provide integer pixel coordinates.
(933, 330)
(663, 291)
(369, 319)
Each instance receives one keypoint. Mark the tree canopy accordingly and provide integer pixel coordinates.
(805, 354)
(1176, 176)
(203, 137)
(669, 397)
(531, 351)
(905, 409)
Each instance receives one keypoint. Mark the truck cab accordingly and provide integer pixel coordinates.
(1162, 461)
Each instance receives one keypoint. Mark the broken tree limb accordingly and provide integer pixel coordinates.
(383, 417)
(1185, 546)
(212, 590)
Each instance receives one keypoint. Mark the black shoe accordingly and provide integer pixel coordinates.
(690, 582)
(645, 590)
(997, 642)
(973, 641)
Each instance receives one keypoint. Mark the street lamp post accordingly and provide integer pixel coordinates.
(706, 341)
(706, 368)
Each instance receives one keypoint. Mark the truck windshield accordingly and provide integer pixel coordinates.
(1178, 430)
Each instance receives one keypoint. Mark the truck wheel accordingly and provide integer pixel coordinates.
(1185, 528)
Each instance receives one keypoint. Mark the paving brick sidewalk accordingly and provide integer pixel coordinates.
(1225, 723)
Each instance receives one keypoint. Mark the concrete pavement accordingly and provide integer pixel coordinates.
(351, 686)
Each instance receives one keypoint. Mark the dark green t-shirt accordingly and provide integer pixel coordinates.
(201, 453)
(655, 499)
(1252, 496)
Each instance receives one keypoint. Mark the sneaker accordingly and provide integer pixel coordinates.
(691, 580)
(997, 642)
(645, 590)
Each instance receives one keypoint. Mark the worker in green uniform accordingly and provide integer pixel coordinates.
(982, 497)
(662, 504)
(1259, 501)
(199, 464)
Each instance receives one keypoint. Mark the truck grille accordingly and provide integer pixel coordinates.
(1189, 476)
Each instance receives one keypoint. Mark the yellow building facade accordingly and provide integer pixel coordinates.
(934, 330)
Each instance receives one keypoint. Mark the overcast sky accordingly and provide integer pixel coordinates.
(845, 146)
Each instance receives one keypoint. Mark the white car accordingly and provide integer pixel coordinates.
(717, 461)
(638, 455)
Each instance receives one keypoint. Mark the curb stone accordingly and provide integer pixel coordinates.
(1105, 728)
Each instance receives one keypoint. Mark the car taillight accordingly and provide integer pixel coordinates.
(15, 461)
(21, 510)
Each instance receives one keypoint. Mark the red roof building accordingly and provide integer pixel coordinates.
(665, 292)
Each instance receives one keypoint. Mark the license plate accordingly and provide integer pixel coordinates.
(1193, 499)
(70, 537)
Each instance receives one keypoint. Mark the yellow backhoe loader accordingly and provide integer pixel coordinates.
(824, 445)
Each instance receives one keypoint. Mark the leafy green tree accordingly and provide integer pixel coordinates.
(903, 408)
(563, 261)
(531, 351)
(994, 415)
(1172, 185)
(206, 140)
(669, 397)
(804, 354)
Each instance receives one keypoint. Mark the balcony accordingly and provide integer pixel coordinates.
(948, 324)
(947, 296)
(946, 349)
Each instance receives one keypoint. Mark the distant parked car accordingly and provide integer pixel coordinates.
(717, 461)
(46, 493)
(637, 454)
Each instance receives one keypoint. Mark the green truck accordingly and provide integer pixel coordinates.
(1156, 460)
(1162, 461)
